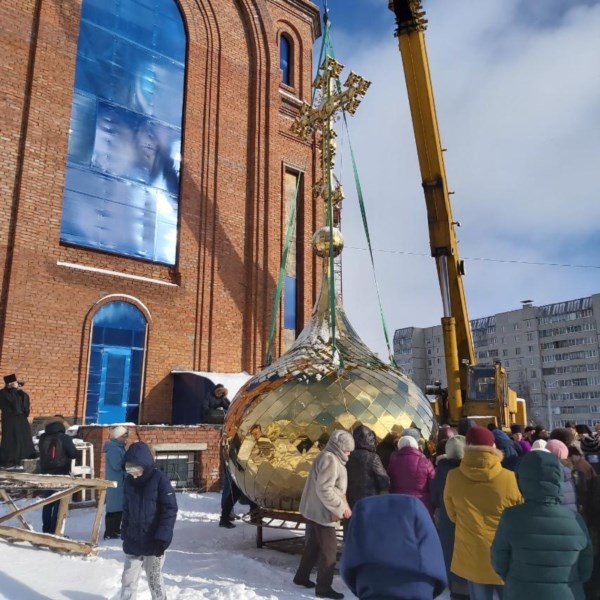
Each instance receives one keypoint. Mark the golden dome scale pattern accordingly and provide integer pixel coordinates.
(282, 418)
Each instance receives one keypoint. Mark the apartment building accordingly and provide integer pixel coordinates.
(551, 354)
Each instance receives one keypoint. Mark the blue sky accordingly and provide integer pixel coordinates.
(517, 94)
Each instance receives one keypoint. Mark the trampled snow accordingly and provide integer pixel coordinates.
(205, 562)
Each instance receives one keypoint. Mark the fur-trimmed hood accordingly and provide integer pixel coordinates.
(481, 463)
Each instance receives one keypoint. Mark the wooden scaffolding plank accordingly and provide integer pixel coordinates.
(11, 503)
(56, 481)
(45, 539)
(98, 519)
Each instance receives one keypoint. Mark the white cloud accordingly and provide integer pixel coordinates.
(518, 111)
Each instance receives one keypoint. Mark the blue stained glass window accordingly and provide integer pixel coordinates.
(122, 177)
(116, 364)
(285, 59)
(289, 303)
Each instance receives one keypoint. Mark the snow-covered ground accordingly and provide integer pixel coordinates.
(205, 562)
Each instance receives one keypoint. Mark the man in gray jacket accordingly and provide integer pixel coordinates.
(323, 504)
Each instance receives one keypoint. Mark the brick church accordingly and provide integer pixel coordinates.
(146, 164)
(147, 172)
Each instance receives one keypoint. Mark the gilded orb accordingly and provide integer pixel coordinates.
(320, 242)
(282, 418)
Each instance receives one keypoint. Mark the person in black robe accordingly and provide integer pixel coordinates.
(17, 442)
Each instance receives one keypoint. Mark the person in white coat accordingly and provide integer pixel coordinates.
(323, 504)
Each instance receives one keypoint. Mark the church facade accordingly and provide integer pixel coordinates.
(147, 175)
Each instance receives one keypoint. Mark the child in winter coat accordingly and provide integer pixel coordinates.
(392, 550)
(541, 548)
(149, 514)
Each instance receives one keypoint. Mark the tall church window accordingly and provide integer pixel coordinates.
(116, 368)
(122, 178)
(285, 59)
(292, 291)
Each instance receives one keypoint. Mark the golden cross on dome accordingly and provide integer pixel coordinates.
(331, 100)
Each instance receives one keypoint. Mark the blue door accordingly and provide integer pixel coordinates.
(114, 385)
(116, 366)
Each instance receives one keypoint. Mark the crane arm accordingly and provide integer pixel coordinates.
(458, 344)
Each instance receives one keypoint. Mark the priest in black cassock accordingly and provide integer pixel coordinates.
(17, 442)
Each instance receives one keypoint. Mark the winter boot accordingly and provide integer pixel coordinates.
(330, 593)
(225, 522)
(111, 526)
(118, 517)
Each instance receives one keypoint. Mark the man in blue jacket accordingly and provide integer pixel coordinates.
(149, 514)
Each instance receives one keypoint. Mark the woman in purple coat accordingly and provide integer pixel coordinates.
(411, 472)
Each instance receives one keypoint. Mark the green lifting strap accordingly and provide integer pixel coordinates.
(363, 213)
(286, 248)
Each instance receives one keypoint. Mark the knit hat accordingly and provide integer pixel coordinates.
(407, 442)
(516, 428)
(455, 447)
(413, 432)
(558, 449)
(117, 432)
(540, 445)
(480, 436)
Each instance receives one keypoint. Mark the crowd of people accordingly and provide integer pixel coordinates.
(489, 515)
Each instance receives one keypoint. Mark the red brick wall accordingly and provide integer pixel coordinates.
(236, 139)
(209, 460)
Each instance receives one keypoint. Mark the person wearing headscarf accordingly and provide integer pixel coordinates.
(542, 549)
(323, 504)
(475, 496)
(114, 470)
(392, 550)
(455, 450)
(411, 472)
(516, 432)
(366, 475)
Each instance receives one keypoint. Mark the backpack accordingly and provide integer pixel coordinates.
(52, 453)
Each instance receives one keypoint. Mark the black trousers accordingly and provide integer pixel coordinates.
(231, 494)
(320, 549)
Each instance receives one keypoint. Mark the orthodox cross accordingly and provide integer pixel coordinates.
(318, 118)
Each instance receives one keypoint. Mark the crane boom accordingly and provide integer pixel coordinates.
(458, 343)
(479, 391)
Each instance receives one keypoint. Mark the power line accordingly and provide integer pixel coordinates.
(483, 259)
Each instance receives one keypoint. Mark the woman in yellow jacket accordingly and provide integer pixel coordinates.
(476, 494)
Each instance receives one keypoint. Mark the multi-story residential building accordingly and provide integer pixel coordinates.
(551, 354)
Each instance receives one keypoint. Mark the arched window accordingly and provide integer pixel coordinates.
(116, 364)
(285, 59)
(122, 178)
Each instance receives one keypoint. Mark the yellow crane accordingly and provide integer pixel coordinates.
(478, 391)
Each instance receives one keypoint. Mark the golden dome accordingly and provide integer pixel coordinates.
(281, 419)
